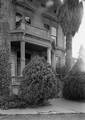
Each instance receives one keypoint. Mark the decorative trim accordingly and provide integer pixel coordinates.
(29, 38)
(35, 40)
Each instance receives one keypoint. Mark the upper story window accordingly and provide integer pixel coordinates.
(47, 27)
(18, 20)
(22, 21)
(53, 34)
(53, 31)
(27, 20)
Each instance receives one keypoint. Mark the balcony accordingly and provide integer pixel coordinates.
(31, 34)
(32, 31)
(37, 32)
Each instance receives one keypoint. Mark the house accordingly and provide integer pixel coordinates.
(30, 28)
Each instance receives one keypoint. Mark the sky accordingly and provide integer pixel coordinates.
(79, 38)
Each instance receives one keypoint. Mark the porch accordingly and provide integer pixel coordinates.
(21, 54)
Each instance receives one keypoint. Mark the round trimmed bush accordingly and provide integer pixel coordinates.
(5, 72)
(39, 81)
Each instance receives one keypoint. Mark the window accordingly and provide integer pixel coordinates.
(18, 20)
(58, 61)
(53, 34)
(47, 26)
(27, 20)
(53, 31)
(21, 21)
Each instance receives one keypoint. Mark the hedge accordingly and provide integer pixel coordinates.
(5, 72)
(74, 83)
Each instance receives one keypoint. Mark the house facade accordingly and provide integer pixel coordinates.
(30, 29)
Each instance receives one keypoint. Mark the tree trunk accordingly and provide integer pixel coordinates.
(68, 51)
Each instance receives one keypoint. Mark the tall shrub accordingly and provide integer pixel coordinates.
(74, 82)
(39, 81)
(74, 87)
(5, 72)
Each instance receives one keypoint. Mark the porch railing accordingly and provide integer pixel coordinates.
(15, 80)
(15, 84)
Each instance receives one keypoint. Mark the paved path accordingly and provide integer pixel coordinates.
(44, 117)
(59, 109)
(56, 106)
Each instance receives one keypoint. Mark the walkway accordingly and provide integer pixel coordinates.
(57, 106)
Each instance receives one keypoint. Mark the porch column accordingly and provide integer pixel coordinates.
(22, 56)
(13, 60)
(49, 55)
(23, 23)
(53, 60)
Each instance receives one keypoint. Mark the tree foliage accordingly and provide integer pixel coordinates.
(72, 3)
(70, 16)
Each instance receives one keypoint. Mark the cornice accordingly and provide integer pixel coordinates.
(26, 5)
(33, 8)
